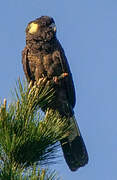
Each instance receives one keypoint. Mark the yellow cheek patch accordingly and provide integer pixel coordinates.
(33, 28)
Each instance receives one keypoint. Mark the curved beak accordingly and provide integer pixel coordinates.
(53, 26)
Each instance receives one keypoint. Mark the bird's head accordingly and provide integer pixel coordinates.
(41, 29)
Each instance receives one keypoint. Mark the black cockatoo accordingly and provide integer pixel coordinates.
(43, 56)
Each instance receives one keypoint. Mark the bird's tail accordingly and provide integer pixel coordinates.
(73, 147)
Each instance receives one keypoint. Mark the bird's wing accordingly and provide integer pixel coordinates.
(25, 63)
(69, 85)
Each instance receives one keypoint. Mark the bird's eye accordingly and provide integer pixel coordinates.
(43, 24)
(33, 28)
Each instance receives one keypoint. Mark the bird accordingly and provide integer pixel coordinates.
(43, 56)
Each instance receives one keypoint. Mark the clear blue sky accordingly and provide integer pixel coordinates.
(88, 32)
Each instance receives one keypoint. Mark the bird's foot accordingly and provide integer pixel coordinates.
(55, 79)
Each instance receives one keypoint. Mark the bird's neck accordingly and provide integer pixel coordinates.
(41, 46)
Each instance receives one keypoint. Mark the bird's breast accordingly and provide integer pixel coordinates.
(44, 65)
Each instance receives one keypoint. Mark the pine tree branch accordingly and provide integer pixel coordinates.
(25, 136)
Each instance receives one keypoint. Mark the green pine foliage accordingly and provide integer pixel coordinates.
(28, 139)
